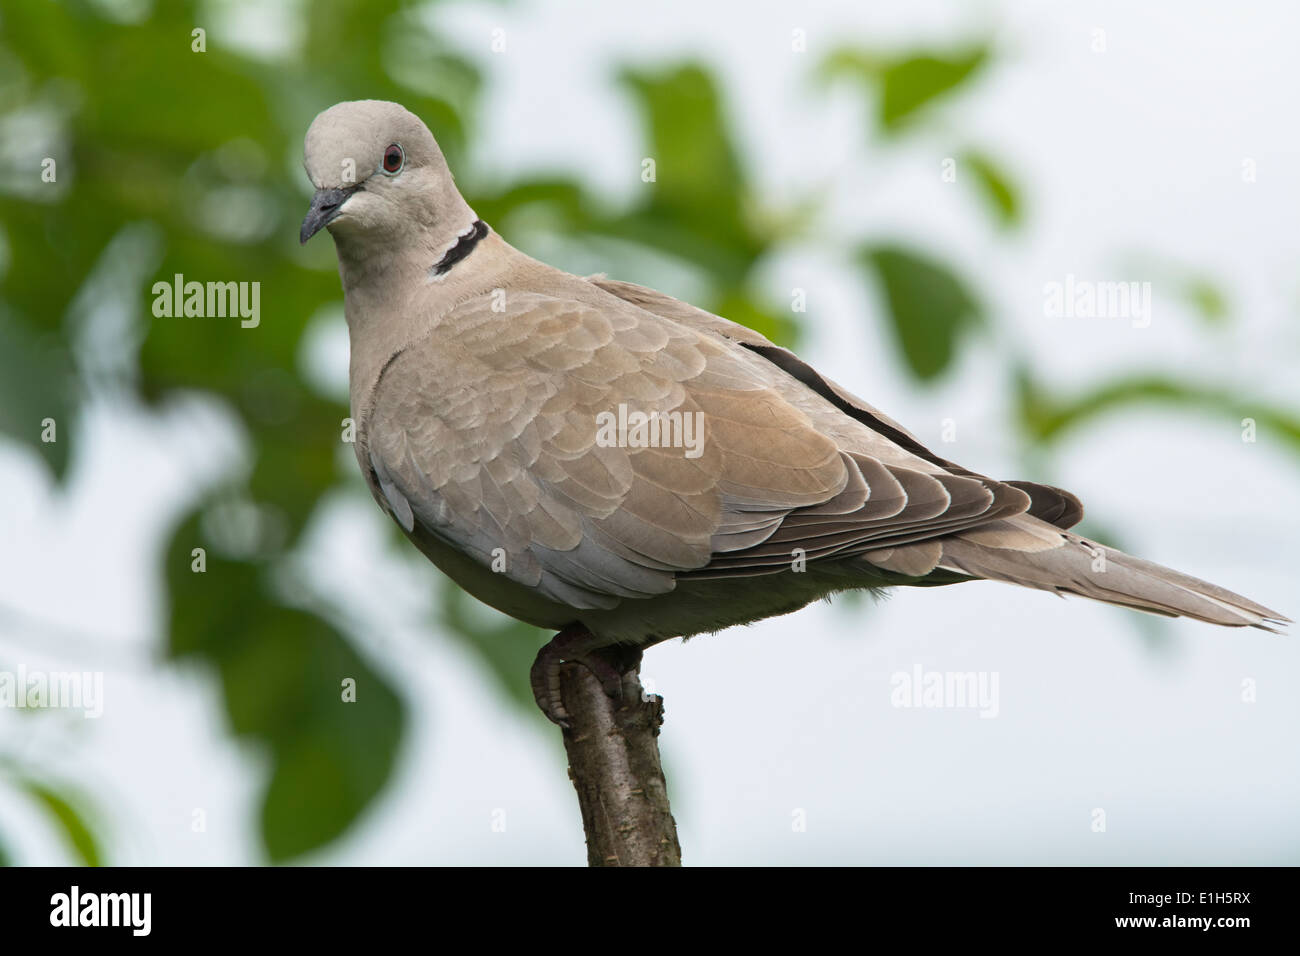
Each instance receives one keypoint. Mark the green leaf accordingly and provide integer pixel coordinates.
(929, 306)
(75, 829)
(995, 187)
(36, 384)
(697, 174)
(909, 83)
(696, 205)
(282, 671)
(1047, 418)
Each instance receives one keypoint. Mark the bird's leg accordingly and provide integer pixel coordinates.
(575, 643)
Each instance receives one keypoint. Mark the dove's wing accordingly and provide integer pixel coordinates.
(1048, 503)
(1026, 549)
(487, 432)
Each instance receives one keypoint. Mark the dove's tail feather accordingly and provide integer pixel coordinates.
(1079, 566)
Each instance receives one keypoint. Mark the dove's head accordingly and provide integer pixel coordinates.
(380, 179)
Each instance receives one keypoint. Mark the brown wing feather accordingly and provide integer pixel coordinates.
(490, 441)
(1053, 505)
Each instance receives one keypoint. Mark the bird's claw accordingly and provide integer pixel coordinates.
(575, 643)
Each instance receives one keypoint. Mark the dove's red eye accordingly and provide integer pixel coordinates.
(393, 159)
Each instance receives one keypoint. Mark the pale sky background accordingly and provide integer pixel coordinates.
(1133, 154)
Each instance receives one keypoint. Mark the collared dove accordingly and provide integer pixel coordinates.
(484, 385)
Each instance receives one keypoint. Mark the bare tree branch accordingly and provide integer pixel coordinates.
(613, 750)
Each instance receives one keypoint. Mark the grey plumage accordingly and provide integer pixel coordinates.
(477, 390)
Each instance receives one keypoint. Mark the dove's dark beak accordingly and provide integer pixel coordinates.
(325, 206)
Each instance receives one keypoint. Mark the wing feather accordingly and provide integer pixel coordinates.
(487, 434)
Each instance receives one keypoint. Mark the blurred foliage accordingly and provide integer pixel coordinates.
(193, 156)
(698, 206)
(157, 132)
(905, 85)
(995, 186)
(1207, 298)
(929, 305)
(1045, 418)
(282, 672)
(36, 386)
(76, 831)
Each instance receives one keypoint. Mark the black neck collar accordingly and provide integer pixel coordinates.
(463, 247)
